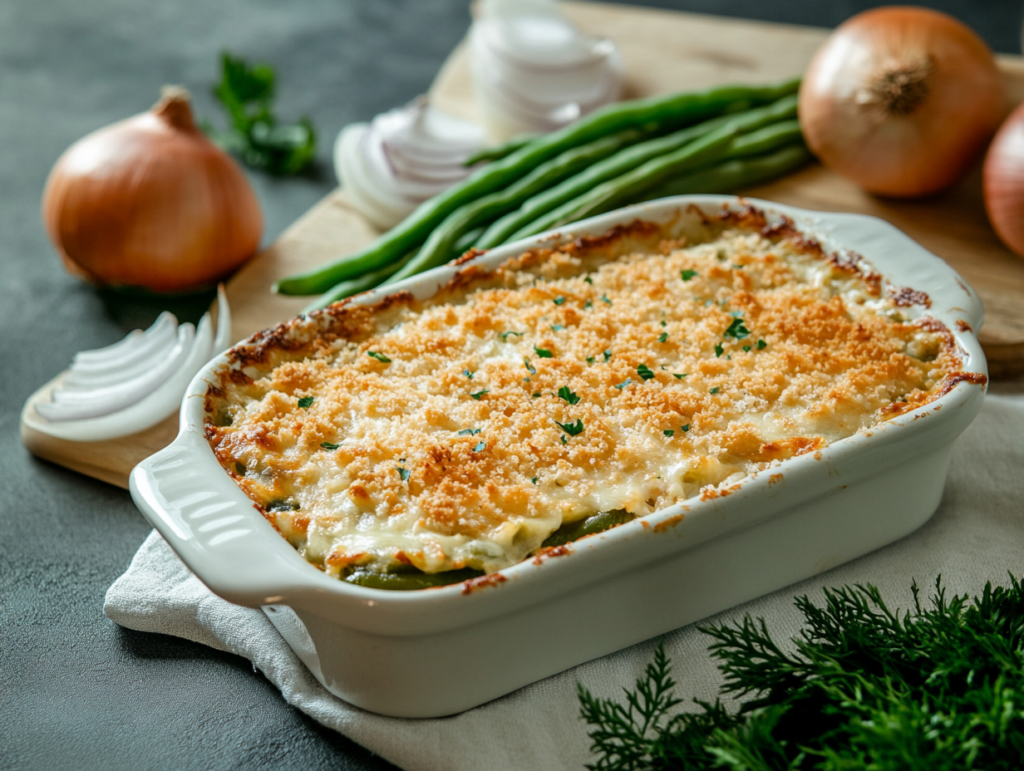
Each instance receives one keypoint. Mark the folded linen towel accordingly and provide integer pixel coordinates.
(977, 535)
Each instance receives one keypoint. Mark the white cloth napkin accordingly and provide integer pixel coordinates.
(977, 535)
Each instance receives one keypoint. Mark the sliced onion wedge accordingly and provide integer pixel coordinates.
(139, 401)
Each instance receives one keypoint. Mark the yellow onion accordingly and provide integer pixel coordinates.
(901, 100)
(151, 202)
(1003, 178)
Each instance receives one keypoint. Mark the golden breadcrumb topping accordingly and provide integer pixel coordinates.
(624, 374)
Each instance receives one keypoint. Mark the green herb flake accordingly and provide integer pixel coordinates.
(505, 335)
(746, 349)
(588, 280)
(403, 473)
(686, 275)
(468, 374)
(470, 431)
(559, 300)
(536, 394)
(644, 372)
(604, 299)
(329, 445)
(686, 428)
(306, 402)
(736, 329)
(761, 345)
(543, 353)
(607, 355)
(590, 360)
(572, 429)
(557, 327)
(564, 440)
(378, 356)
(624, 383)
(588, 304)
(534, 480)
(529, 367)
(480, 394)
(567, 395)
(663, 337)
(480, 447)
(719, 350)
(714, 390)
(668, 432)
(679, 375)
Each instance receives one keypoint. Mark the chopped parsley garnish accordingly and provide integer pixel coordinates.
(279, 504)
(588, 304)
(572, 429)
(559, 300)
(679, 375)
(590, 360)
(588, 280)
(736, 329)
(402, 472)
(504, 335)
(557, 327)
(644, 372)
(306, 402)
(534, 480)
(329, 445)
(686, 275)
(686, 428)
(470, 431)
(480, 394)
(480, 447)
(668, 432)
(468, 374)
(719, 350)
(746, 349)
(529, 367)
(714, 390)
(624, 383)
(536, 394)
(663, 337)
(544, 353)
(378, 356)
(607, 355)
(761, 345)
(604, 299)
(567, 395)
(663, 323)
(564, 440)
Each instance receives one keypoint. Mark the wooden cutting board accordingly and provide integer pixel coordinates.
(663, 51)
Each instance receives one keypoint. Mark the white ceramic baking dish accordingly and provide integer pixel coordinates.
(440, 651)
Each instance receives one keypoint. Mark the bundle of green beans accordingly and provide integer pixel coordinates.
(712, 141)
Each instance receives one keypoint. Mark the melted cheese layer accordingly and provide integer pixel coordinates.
(461, 432)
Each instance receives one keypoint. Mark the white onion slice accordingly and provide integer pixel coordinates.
(534, 71)
(138, 402)
(403, 157)
(157, 337)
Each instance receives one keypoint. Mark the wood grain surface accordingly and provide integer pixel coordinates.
(663, 51)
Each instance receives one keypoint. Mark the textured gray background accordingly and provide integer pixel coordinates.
(75, 690)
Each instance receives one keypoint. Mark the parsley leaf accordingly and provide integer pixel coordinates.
(378, 356)
(736, 329)
(529, 367)
(504, 335)
(588, 304)
(668, 432)
(761, 345)
(246, 92)
(607, 355)
(534, 480)
(536, 395)
(468, 374)
(679, 375)
(686, 275)
(480, 447)
(564, 440)
(624, 383)
(746, 349)
(663, 337)
(306, 402)
(572, 429)
(567, 395)
(480, 394)
(718, 350)
(329, 445)
(557, 327)
(714, 390)
(543, 353)
(686, 428)
(604, 299)
(402, 472)
(588, 280)
(590, 360)
(644, 372)
(559, 300)
(470, 431)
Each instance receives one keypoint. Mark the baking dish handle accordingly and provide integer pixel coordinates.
(213, 526)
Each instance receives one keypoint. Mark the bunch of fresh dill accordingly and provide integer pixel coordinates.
(939, 687)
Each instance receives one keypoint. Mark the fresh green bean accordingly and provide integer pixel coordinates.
(497, 152)
(521, 222)
(410, 580)
(631, 186)
(364, 283)
(597, 523)
(734, 174)
(467, 239)
(440, 247)
(679, 109)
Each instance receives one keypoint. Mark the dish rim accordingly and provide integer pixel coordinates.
(953, 303)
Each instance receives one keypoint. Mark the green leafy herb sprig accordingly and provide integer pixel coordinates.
(246, 92)
(865, 689)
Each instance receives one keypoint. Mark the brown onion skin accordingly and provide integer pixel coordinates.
(150, 202)
(1003, 181)
(901, 155)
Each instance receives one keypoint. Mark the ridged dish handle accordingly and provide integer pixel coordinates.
(213, 527)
